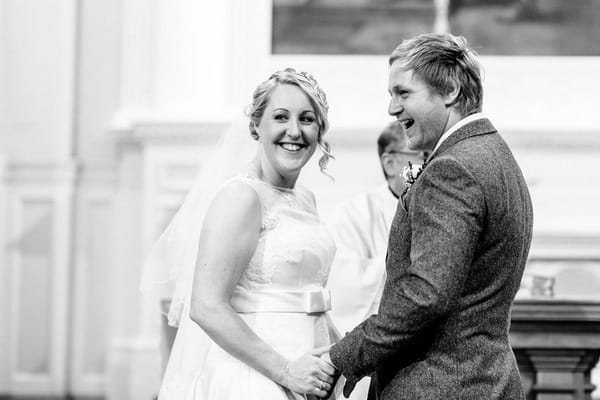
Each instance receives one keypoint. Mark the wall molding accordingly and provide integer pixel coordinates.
(65, 397)
(539, 141)
(564, 247)
(45, 174)
(171, 131)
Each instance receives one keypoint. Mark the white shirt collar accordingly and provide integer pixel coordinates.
(457, 126)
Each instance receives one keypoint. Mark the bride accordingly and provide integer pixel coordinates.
(255, 323)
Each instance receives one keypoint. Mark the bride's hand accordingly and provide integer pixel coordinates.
(309, 374)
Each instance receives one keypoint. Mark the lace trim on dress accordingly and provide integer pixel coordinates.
(323, 275)
(258, 273)
(269, 222)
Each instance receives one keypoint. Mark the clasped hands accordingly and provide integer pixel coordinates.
(313, 373)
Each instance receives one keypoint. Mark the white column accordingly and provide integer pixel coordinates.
(4, 341)
(192, 48)
(93, 287)
(38, 64)
(249, 58)
(4, 284)
(133, 364)
(441, 23)
(138, 59)
(176, 59)
(3, 104)
(37, 70)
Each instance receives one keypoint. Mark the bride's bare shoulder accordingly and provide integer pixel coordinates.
(235, 199)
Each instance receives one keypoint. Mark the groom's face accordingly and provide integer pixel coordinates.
(422, 112)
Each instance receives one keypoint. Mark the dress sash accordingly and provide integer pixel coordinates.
(309, 301)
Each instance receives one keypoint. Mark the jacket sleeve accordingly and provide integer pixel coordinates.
(445, 214)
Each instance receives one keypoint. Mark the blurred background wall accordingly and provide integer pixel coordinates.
(107, 108)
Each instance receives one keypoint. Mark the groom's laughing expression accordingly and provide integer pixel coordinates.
(423, 113)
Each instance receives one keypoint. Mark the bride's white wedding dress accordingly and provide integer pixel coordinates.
(281, 296)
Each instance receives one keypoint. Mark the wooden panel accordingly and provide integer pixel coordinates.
(4, 280)
(33, 266)
(39, 204)
(556, 343)
(38, 251)
(90, 327)
(96, 288)
(169, 172)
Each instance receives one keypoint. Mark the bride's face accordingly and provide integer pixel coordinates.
(288, 130)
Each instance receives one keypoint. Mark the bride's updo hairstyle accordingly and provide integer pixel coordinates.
(307, 83)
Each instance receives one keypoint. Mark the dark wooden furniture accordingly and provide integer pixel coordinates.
(557, 344)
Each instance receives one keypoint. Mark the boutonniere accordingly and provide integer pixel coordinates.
(410, 174)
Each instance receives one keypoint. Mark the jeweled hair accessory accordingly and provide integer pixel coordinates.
(318, 91)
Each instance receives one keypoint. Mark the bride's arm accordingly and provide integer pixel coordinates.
(227, 242)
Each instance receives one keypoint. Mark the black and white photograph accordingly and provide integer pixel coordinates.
(299, 199)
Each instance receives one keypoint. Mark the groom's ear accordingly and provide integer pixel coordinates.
(451, 97)
(387, 163)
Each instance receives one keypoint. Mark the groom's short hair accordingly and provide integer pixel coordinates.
(444, 61)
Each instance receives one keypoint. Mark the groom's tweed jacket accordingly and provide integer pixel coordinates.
(457, 249)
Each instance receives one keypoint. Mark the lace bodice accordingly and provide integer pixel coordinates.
(294, 249)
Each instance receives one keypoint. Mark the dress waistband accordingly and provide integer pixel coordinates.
(317, 300)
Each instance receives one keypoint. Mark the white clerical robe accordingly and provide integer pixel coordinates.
(361, 227)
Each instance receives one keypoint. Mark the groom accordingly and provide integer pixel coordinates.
(458, 242)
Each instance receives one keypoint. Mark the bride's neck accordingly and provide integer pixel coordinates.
(268, 174)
